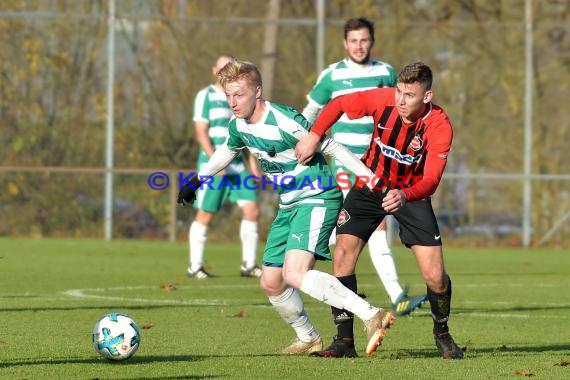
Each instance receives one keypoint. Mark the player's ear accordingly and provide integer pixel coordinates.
(258, 92)
(428, 95)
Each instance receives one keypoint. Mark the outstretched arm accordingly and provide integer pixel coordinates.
(218, 161)
(306, 147)
(329, 115)
(311, 111)
(348, 159)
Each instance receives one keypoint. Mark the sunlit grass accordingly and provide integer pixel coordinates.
(510, 310)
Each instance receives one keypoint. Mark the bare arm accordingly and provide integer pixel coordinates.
(203, 138)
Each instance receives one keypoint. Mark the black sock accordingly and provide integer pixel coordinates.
(440, 307)
(344, 320)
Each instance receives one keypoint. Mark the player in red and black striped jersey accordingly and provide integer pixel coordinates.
(408, 153)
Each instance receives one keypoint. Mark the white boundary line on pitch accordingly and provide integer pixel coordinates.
(83, 293)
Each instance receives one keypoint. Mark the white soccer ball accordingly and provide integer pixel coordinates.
(116, 336)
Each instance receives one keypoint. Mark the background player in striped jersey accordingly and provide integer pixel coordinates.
(408, 152)
(211, 116)
(358, 72)
(307, 212)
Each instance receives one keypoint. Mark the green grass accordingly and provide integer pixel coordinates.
(511, 309)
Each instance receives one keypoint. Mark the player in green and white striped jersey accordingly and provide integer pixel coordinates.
(308, 210)
(358, 72)
(211, 116)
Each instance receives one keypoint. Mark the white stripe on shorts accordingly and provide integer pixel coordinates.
(317, 218)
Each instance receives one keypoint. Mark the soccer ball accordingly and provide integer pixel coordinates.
(116, 336)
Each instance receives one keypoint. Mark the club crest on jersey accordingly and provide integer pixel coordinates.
(271, 152)
(416, 143)
(343, 217)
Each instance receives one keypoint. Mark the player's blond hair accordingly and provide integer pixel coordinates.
(237, 69)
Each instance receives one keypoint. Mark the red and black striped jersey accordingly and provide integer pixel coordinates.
(410, 156)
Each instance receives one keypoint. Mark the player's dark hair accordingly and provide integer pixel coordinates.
(358, 23)
(416, 72)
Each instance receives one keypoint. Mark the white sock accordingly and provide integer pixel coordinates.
(197, 237)
(332, 238)
(291, 308)
(249, 237)
(383, 261)
(329, 289)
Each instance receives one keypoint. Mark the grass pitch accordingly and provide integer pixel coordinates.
(511, 309)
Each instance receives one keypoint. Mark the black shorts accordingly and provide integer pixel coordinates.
(362, 212)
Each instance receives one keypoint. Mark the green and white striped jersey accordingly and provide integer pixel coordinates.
(345, 77)
(272, 140)
(211, 106)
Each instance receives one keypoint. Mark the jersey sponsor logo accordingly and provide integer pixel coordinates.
(343, 217)
(270, 167)
(416, 143)
(388, 151)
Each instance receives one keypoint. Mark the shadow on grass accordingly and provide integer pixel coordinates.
(459, 310)
(135, 360)
(174, 377)
(479, 352)
(502, 275)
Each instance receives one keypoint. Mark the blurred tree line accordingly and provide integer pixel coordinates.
(54, 76)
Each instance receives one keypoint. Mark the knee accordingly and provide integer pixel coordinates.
(340, 252)
(272, 285)
(293, 278)
(251, 211)
(269, 286)
(344, 260)
(204, 218)
(436, 281)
